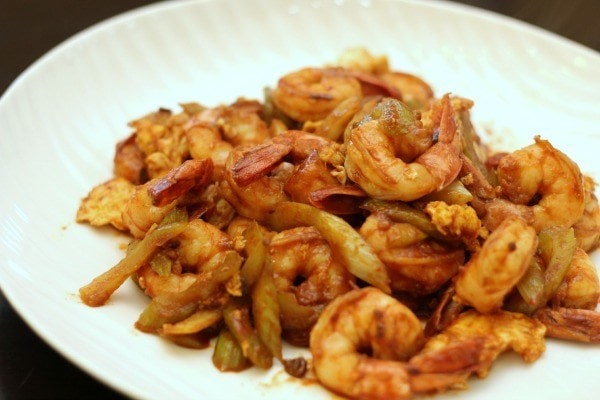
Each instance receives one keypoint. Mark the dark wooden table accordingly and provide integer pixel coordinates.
(30, 369)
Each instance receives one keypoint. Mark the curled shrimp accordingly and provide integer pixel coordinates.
(302, 255)
(310, 94)
(156, 198)
(493, 271)
(415, 263)
(541, 174)
(199, 242)
(154, 284)
(372, 161)
(193, 248)
(367, 321)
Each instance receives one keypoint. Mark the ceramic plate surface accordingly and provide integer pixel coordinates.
(61, 118)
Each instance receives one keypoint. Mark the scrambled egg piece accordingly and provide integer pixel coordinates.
(457, 221)
(105, 203)
(161, 138)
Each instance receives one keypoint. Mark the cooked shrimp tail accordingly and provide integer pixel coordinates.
(152, 201)
(180, 180)
(259, 161)
(571, 324)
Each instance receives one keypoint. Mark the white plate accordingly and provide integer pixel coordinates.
(60, 120)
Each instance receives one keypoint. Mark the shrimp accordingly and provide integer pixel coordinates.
(367, 105)
(129, 160)
(334, 124)
(154, 284)
(242, 124)
(373, 85)
(302, 255)
(370, 71)
(310, 175)
(415, 263)
(254, 198)
(416, 93)
(580, 287)
(214, 132)
(238, 226)
(153, 200)
(199, 242)
(302, 144)
(475, 180)
(338, 199)
(306, 277)
(310, 94)
(571, 324)
(543, 175)
(206, 141)
(498, 332)
(412, 133)
(212, 207)
(497, 210)
(187, 255)
(258, 161)
(587, 229)
(364, 345)
(360, 59)
(372, 162)
(493, 271)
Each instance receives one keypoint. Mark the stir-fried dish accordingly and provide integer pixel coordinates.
(353, 212)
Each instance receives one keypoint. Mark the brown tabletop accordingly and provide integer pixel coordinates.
(30, 369)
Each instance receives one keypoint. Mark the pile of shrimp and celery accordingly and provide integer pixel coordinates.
(352, 212)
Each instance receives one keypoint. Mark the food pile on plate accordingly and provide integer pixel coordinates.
(353, 212)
